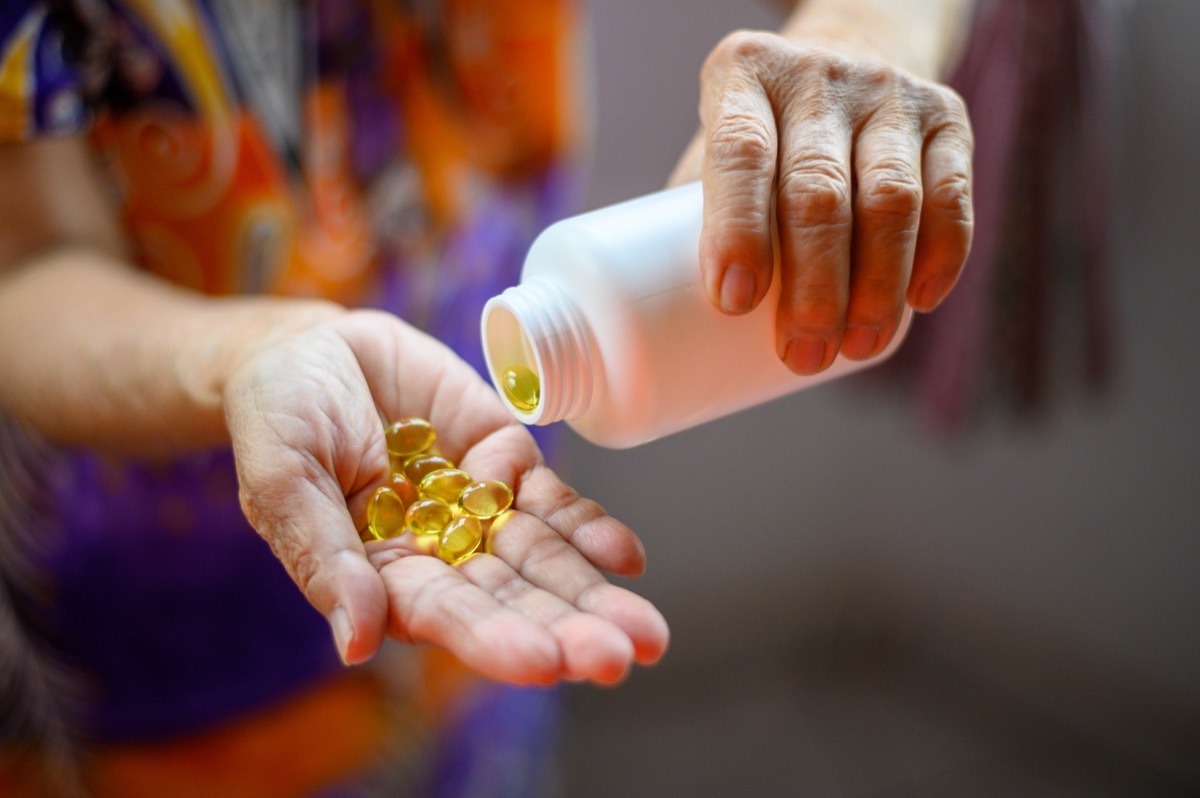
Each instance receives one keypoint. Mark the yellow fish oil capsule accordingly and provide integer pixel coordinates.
(521, 388)
(385, 513)
(409, 436)
(445, 484)
(418, 466)
(404, 488)
(428, 516)
(485, 499)
(460, 539)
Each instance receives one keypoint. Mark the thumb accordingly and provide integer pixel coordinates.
(313, 536)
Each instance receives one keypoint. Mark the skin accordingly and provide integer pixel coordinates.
(865, 160)
(834, 136)
(299, 389)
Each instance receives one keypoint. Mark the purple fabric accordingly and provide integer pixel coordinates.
(991, 70)
(172, 608)
(1038, 79)
(501, 745)
(59, 105)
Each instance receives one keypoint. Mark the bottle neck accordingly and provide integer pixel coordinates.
(537, 325)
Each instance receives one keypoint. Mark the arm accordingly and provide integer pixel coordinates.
(921, 36)
(835, 133)
(98, 354)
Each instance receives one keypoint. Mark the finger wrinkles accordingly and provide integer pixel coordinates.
(418, 617)
(600, 539)
(302, 564)
(951, 197)
(632, 614)
(892, 189)
(552, 555)
(814, 193)
(508, 589)
(568, 511)
(495, 639)
(944, 108)
(820, 305)
(877, 300)
(740, 141)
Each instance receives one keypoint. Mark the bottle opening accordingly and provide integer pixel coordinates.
(512, 362)
(537, 348)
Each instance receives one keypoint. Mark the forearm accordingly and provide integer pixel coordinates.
(921, 36)
(95, 353)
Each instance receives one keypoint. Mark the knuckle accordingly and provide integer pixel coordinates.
(890, 190)
(817, 194)
(950, 101)
(825, 65)
(304, 566)
(744, 45)
(949, 116)
(956, 131)
(950, 196)
(741, 141)
(883, 78)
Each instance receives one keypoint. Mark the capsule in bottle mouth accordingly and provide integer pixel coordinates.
(512, 362)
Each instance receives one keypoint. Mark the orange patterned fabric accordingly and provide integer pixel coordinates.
(375, 152)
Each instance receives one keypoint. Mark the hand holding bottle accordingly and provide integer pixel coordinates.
(836, 140)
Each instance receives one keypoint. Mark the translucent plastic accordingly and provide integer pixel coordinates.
(611, 316)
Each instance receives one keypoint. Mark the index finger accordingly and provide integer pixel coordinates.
(738, 174)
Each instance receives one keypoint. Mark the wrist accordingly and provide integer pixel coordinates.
(920, 37)
(140, 365)
(238, 330)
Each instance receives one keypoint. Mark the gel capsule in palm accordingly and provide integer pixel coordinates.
(418, 466)
(385, 513)
(429, 516)
(460, 539)
(404, 488)
(445, 484)
(409, 436)
(485, 499)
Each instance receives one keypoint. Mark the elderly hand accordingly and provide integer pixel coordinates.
(862, 170)
(305, 419)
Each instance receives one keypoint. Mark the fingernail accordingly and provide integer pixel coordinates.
(343, 632)
(737, 288)
(859, 342)
(805, 354)
(931, 293)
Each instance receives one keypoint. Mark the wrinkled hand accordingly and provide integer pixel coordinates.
(305, 418)
(865, 169)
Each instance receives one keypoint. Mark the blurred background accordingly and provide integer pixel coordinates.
(861, 608)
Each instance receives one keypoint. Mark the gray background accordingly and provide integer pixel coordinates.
(1075, 539)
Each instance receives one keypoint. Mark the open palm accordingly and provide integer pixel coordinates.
(305, 416)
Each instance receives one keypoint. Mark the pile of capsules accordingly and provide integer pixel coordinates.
(449, 512)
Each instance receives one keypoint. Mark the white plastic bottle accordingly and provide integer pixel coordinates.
(611, 316)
